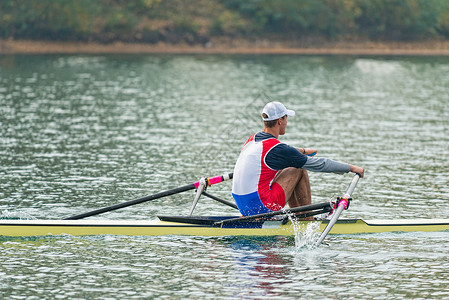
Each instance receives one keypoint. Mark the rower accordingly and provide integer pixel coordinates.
(268, 173)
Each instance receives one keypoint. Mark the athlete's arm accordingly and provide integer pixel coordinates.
(283, 156)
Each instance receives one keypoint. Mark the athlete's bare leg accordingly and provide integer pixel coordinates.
(296, 185)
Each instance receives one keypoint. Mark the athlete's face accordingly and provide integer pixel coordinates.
(283, 125)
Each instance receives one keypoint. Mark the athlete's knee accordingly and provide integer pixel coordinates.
(304, 173)
(295, 173)
(293, 170)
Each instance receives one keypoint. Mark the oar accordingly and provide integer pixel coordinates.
(276, 213)
(220, 200)
(210, 181)
(341, 205)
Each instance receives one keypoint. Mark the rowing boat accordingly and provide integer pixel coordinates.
(282, 223)
(204, 226)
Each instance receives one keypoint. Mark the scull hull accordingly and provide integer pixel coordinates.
(158, 228)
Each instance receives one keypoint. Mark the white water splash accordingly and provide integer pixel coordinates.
(306, 234)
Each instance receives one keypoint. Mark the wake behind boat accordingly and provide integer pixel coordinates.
(281, 223)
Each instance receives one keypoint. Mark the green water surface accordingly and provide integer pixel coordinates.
(82, 132)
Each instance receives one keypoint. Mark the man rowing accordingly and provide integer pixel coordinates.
(268, 173)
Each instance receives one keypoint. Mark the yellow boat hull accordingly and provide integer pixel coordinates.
(157, 228)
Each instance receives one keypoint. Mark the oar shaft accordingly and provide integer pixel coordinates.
(210, 181)
(331, 224)
(352, 186)
(220, 200)
(132, 202)
(344, 202)
(280, 212)
(313, 213)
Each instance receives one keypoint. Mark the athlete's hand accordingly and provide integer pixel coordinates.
(359, 170)
(310, 152)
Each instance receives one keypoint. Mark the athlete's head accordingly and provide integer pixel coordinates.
(273, 112)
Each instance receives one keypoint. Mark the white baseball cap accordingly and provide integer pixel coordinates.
(276, 110)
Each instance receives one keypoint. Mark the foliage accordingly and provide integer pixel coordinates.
(378, 19)
(400, 19)
(197, 21)
(64, 19)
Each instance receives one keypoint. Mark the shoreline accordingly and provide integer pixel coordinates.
(242, 47)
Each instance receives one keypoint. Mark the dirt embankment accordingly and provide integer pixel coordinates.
(231, 46)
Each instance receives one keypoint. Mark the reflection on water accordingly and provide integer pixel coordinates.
(81, 132)
(402, 265)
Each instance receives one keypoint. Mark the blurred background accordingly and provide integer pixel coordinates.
(209, 23)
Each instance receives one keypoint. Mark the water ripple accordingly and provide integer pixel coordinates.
(82, 132)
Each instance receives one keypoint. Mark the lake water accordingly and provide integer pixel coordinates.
(82, 132)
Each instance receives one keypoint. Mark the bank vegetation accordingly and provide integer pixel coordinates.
(199, 22)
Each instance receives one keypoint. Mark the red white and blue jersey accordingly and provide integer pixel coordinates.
(261, 158)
